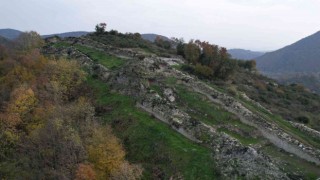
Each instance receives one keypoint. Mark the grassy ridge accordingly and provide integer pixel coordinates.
(109, 61)
(160, 150)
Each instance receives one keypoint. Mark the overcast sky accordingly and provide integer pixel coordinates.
(248, 24)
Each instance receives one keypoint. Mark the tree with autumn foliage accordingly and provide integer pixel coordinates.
(28, 41)
(208, 60)
(85, 172)
(48, 128)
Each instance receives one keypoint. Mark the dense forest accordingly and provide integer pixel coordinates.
(48, 128)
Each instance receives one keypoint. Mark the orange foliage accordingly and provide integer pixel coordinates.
(85, 172)
(10, 120)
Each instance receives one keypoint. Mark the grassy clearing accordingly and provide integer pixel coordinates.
(61, 44)
(151, 143)
(286, 126)
(205, 111)
(109, 61)
(292, 163)
(242, 139)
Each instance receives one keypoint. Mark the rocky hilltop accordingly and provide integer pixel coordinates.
(245, 138)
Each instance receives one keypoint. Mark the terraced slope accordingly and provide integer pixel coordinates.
(228, 136)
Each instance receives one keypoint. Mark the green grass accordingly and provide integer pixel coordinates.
(152, 143)
(156, 88)
(242, 139)
(177, 66)
(61, 44)
(205, 110)
(109, 61)
(292, 163)
(171, 81)
(286, 126)
(283, 124)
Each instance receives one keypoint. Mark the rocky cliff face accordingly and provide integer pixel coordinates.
(234, 158)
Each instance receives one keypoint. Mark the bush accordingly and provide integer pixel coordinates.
(250, 65)
(187, 68)
(203, 71)
(303, 119)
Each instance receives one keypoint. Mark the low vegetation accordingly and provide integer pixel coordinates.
(132, 40)
(100, 57)
(163, 153)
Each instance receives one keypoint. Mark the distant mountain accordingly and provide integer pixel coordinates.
(10, 34)
(296, 63)
(68, 34)
(152, 37)
(244, 54)
(302, 56)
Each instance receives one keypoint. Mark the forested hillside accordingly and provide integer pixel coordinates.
(48, 127)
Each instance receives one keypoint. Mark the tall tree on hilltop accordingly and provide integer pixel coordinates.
(100, 28)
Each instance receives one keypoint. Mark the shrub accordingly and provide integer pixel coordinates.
(203, 71)
(187, 68)
(303, 119)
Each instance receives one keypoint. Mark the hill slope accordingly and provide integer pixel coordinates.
(3, 40)
(10, 34)
(244, 54)
(302, 56)
(67, 34)
(244, 123)
(152, 37)
(119, 109)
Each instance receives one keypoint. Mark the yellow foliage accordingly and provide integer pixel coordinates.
(65, 76)
(20, 74)
(105, 152)
(22, 101)
(11, 137)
